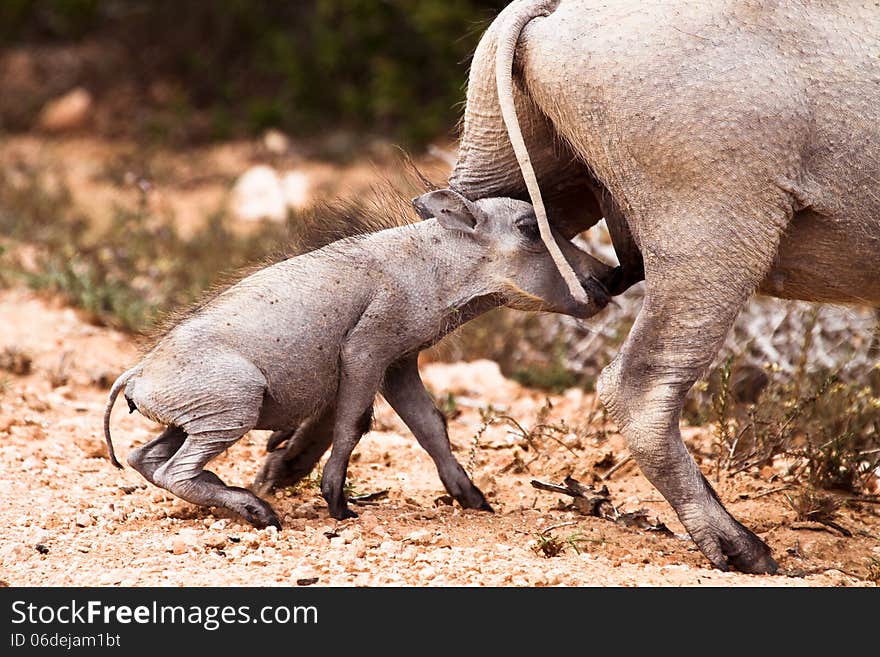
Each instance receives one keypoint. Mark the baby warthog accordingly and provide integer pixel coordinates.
(307, 343)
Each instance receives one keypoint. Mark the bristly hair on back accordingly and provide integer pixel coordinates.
(326, 222)
(331, 221)
(386, 206)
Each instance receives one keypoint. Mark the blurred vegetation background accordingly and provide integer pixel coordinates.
(192, 71)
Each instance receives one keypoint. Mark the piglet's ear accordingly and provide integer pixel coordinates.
(452, 210)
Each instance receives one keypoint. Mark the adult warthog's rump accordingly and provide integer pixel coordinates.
(731, 146)
(308, 342)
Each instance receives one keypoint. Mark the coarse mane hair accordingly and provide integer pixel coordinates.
(325, 223)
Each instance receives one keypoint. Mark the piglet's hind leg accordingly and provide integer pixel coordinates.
(184, 475)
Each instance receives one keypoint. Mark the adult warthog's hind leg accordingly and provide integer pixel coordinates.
(692, 298)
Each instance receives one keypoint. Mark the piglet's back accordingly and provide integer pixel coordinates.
(288, 320)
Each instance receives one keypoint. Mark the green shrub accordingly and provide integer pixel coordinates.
(395, 69)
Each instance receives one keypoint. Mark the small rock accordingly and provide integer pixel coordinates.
(214, 540)
(295, 186)
(258, 194)
(348, 535)
(31, 463)
(486, 483)
(443, 542)
(276, 142)
(296, 524)
(419, 537)
(189, 536)
(368, 521)
(444, 500)
(388, 547)
(68, 112)
(337, 542)
(254, 559)
(19, 552)
(179, 546)
(42, 549)
(358, 548)
(219, 525)
(83, 519)
(306, 511)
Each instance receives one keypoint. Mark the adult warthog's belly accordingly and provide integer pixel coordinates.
(828, 259)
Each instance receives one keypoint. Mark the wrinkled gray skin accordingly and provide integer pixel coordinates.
(731, 147)
(308, 342)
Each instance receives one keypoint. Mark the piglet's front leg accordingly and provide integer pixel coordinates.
(362, 366)
(404, 390)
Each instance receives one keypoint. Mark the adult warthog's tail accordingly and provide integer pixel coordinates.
(114, 393)
(515, 19)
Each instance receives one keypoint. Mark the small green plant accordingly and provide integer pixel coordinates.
(448, 406)
(813, 506)
(487, 417)
(311, 482)
(553, 377)
(350, 488)
(529, 438)
(576, 541)
(548, 545)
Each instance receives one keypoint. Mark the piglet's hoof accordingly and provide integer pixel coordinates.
(342, 514)
(261, 517)
(485, 506)
(257, 512)
(478, 502)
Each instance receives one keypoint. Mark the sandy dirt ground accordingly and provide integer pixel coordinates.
(70, 518)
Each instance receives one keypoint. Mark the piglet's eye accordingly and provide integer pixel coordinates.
(529, 230)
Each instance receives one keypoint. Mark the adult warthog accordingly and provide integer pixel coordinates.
(730, 146)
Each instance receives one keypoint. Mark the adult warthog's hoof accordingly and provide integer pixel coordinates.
(739, 549)
(749, 554)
